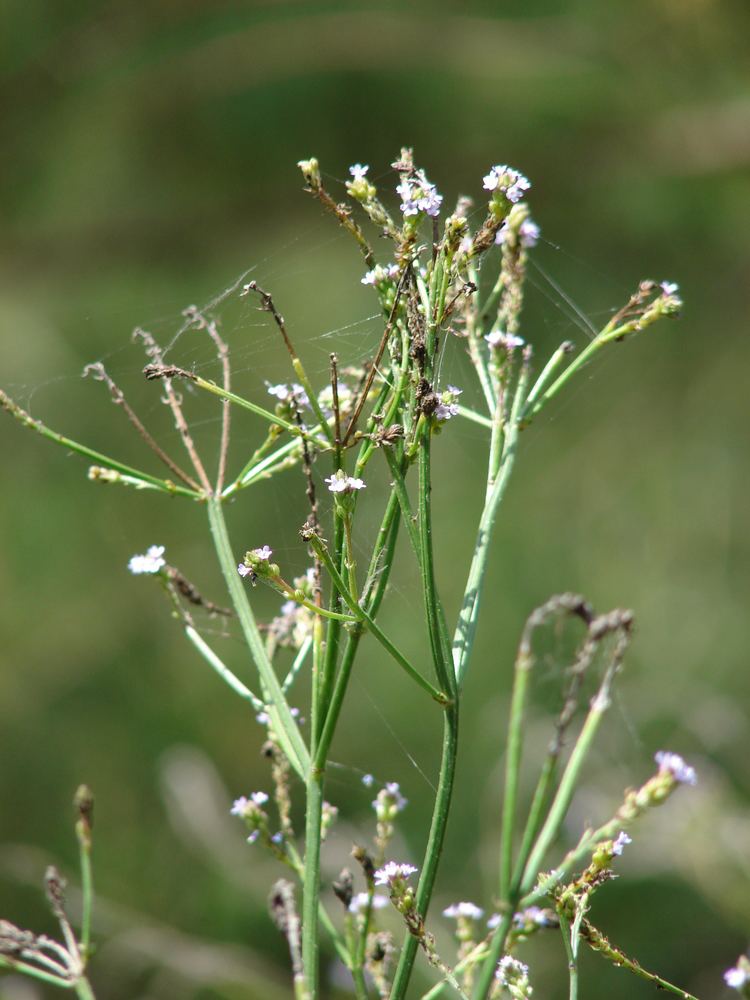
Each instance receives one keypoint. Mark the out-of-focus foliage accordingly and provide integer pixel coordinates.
(148, 160)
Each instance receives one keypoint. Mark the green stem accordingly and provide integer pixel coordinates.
(477, 418)
(374, 629)
(465, 634)
(260, 411)
(87, 892)
(276, 705)
(222, 669)
(166, 486)
(311, 884)
(83, 989)
(563, 797)
(434, 847)
(486, 975)
(572, 956)
(443, 669)
(514, 747)
(299, 659)
(15, 965)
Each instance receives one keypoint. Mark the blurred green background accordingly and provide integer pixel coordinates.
(148, 161)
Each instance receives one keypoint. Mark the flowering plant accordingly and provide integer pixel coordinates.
(446, 288)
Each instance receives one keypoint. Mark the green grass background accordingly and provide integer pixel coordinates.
(148, 160)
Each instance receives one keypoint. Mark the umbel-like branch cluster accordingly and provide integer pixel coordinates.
(451, 283)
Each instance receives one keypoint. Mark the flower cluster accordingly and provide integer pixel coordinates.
(343, 484)
(673, 765)
(514, 977)
(257, 563)
(289, 396)
(738, 977)
(381, 275)
(250, 809)
(394, 875)
(506, 181)
(447, 406)
(504, 341)
(152, 562)
(528, 234)
(419, 195)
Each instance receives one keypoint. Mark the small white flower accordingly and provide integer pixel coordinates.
(152, 562)
(368, 780)
(494, 921)
(466, 910)
(389, 803)
(359, 902)
(531, 915)
(669, 287)
(380, 274)
(358, 171)
(419, 195)
(393, 872)
(238, 806)
(507, 181)
(243, 805)
(447, 407)
(737, 977)
(672, 763)
(528, 234)
(620, 843)
(288, 393)
(341, 483)
(510, 971)
(498, 338)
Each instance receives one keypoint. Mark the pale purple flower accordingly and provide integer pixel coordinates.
(360, 900)
(368, 780)
(672, 763)
(151, 562)
(510, 971)
(737, 977)
(263, 718)
(669, 287)
(244, 570)
(253, 836)
(381, 273)
(358, 171)
(619, 845)
(278, 838)
(389, 803)
(393, 872)
(531, 915)
(498, 338)
(419, 195)
(447, 407)
(243, 805)
(494, 921)
(288, 393)
(528, 234)
(507, 181)
(264, 553)
(467, 911)
(341, 483)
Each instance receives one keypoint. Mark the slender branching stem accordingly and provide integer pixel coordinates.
(136, 475)
(276, 705)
